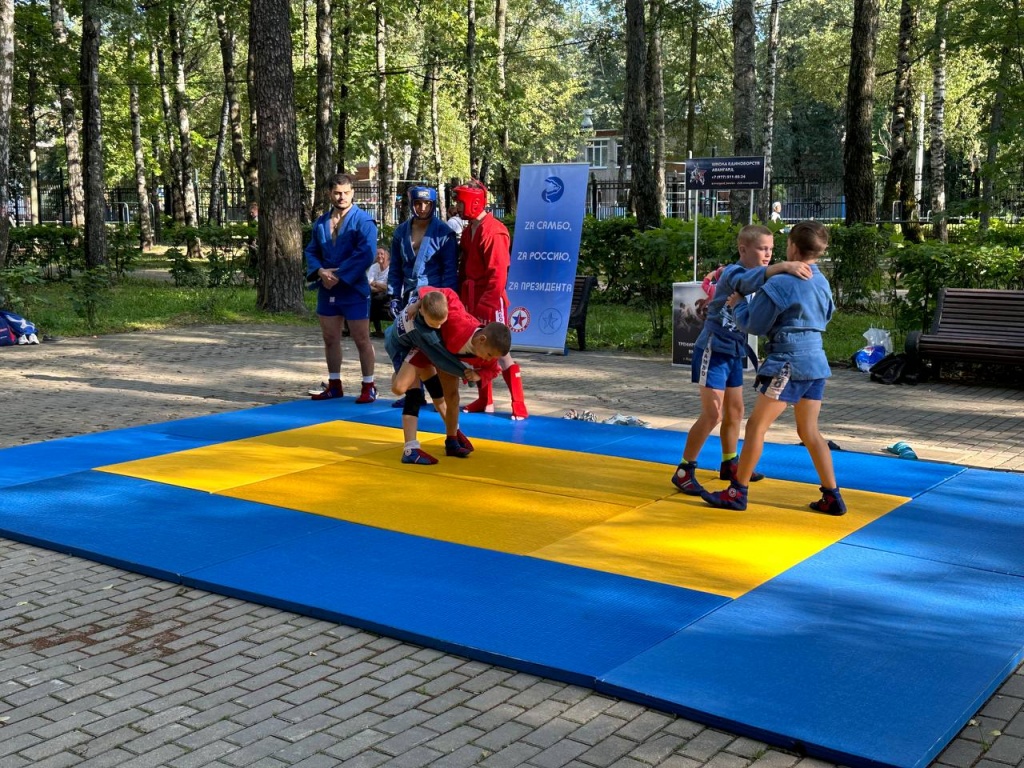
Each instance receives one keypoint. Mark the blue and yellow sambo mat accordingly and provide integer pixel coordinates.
(562, 549)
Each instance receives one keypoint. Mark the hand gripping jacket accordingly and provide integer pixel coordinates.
(423, 193)
(473, 197)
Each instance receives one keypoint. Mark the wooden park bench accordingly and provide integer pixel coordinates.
(973, 325)
(581, 291)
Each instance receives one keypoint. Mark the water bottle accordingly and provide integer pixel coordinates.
(903, 450)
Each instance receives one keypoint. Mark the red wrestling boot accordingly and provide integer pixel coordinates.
(514, 378)
(484, 402)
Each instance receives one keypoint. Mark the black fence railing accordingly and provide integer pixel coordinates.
(800, 197)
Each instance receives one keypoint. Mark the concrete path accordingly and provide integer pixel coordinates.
(100, 667)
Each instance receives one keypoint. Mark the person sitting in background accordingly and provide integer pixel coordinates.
(377, 274)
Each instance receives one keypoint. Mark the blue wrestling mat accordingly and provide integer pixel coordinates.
(561, 548)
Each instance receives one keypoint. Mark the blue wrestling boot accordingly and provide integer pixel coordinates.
(728, 471)
(685, 479)
(733, 497)
(417, 456)
(831, 502)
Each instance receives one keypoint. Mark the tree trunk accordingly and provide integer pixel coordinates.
(135, 114)
(937, 146)
(638, 125)
(173, 155)
(227, 55)
(346, 43)
(995, 128)
(435, 129)
(184, 129)
(279, 283)
(213, 211)
(744, 97)
(691, 79)
(66, 94)
(656, 100)
(858, 167)
(384, 172)
(95, 229)
(33, 143)
(505, 180)
(6, 91)
(252, 176)
(902, 111)
(768, 99)
(475, 154)
(324, 165)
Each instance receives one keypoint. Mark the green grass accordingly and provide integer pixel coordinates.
(137, 304)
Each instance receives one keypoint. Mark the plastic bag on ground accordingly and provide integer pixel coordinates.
(878, 337)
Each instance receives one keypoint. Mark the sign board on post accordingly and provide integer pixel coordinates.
(724, 173)
(689, 308)
(545, 251)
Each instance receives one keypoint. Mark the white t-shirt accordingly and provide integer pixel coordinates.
(375, 274)
(457, 224)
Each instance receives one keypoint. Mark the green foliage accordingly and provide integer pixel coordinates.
(605, 247)
(54, 251)
(661, 257)
(184, 271)
(926, 268)
(123, 249)
(18, 287)
(716, 244)
(91, 292)
(855, 256)
(228, 250)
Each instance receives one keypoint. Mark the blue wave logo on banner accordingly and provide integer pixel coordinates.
(553, 189)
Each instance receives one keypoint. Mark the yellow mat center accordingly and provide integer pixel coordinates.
(602, 512)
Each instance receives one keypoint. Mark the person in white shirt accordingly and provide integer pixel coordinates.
(377, 274)
(456, 222)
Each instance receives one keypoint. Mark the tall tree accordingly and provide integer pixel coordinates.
(508, 191)
(6, 89)
(226, 36)
(346, 50)
(744, 96)
(771, 45)
(135, 115)
(172, 175)
(324, 164)
(66, 94)
(691, 77)
(858, 155)
(638, 124)
(89, 73)
(279, 285)
(472, 111)
(655, 80)
(385, 175)
(901, 130)
(937, 145)
(995, 130)
(184, 124)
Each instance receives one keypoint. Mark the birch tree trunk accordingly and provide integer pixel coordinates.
(768, 100)
(66, 95)
(858, 158)
(507, 185)
(691, 78)
(324, 165)
(656, 100)
(472, 112)
(135, 115)
(95, 229)
(995, 127)
(227, 54)
(184, 129)
(346, 48)
(384, 174)
(638, 125)
(744, 97)
(279, 284)
(902, 112)
(6, 89)
(173, 155)
(213, 212)
(937, 145)
(435, 129)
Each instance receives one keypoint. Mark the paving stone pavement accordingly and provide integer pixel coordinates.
(101, 667)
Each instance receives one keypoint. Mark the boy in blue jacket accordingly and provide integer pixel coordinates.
(719, 353)
(793, 314)
(343, 246)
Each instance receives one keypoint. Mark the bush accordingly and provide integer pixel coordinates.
(855, 254)
(660, 257)
(54, 251)
(605, 247)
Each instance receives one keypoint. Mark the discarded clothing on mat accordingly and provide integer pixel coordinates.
(629, 421)
(580, 415)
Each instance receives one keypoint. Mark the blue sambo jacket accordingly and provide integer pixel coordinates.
(350, 255)
(436, 264)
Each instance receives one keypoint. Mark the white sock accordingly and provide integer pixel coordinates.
(412, 445)
(334, 376)
(367, 379)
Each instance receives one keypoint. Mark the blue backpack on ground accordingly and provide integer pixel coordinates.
(15, 329)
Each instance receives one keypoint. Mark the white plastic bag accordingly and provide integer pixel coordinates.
(878, 337)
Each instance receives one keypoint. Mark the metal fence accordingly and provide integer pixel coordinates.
(801, 198)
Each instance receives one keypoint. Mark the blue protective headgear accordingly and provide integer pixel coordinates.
(423, 193)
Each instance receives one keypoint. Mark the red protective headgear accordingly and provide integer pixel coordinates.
(473, 197)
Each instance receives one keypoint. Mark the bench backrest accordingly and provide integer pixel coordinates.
(981, 312)
(580, 298)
